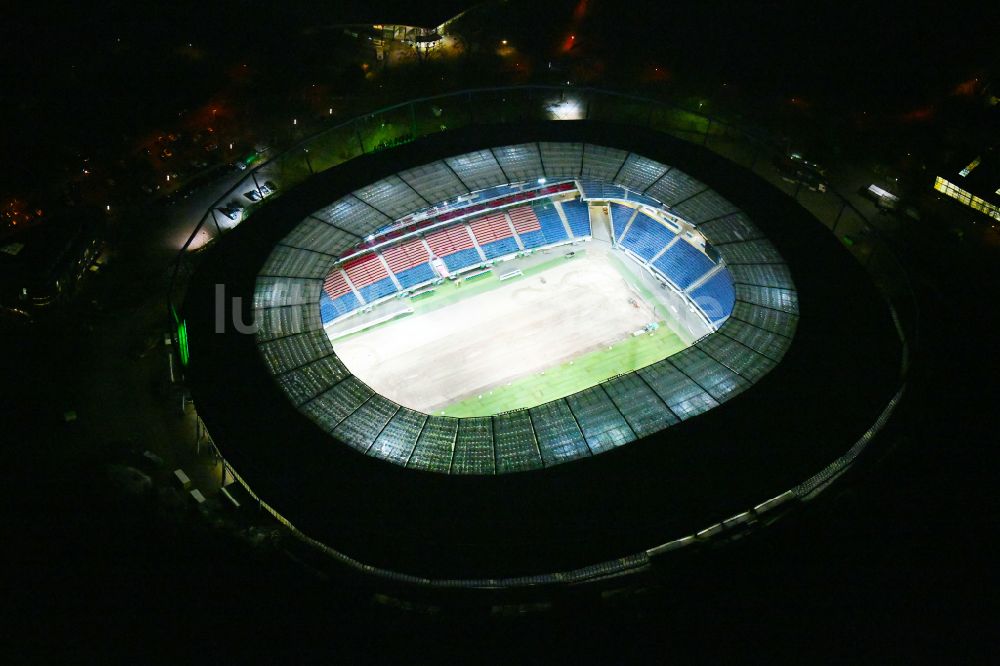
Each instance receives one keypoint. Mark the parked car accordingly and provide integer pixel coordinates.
(252, 195)
(232, 212)
(795, 169)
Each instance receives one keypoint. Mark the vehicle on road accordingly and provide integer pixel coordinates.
(796, 169)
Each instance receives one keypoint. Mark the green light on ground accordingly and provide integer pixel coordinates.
(182, 342)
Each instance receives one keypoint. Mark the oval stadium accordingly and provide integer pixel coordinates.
(534, 352)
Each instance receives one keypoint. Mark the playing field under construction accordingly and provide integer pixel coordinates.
(487, 346)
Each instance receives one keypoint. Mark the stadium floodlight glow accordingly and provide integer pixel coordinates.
(567, 109)
(541, 181)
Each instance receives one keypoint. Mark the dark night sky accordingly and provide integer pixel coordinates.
(71, 83)
(861, 48)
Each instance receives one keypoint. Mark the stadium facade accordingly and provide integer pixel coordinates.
(799, 367)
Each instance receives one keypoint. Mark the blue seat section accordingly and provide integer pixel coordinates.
(552, 229)
(415, 275)
(646, 237)
(461, 259)
(495, 192)
(620, 215)
(377, 290)
(641, 198)
(682, 264)
(500, 247)
(593, 189)
(533, 239)
(331, 308)
(716, 297)
(578, 216)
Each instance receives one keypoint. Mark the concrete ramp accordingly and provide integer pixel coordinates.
(600, 223)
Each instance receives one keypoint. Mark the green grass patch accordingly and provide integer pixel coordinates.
(567, 378)
(479, 276)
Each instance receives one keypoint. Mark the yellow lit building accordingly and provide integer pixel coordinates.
(976, 184)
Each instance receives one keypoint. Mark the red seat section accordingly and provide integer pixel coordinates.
(450, 240)
(524, 219)
(489, 228)
(405, 255)
(335, 285)
(365, 270)
(406, 227)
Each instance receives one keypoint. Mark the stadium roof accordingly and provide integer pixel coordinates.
(598, 419)
(832, 384)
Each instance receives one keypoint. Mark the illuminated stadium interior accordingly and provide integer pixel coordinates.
(744, 417)
(522, 306)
